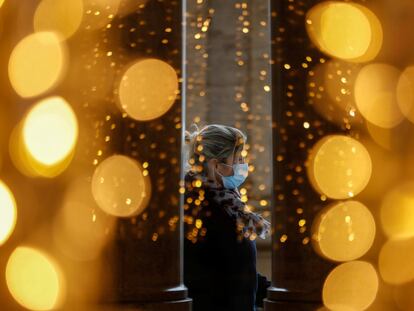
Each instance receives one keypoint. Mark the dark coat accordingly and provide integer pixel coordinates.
(219, 266)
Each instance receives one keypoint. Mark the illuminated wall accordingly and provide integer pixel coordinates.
(228, 57)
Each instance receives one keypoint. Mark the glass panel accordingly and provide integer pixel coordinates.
(228, 72)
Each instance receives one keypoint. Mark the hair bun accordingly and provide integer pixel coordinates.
(191, 135)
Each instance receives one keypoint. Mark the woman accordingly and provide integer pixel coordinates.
(219, 245)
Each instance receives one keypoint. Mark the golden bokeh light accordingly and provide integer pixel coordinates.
(375, 95)
(383, 301)
(339, 29)
(61, 16)
(1, 2)
(397, 212)
(339, 78)
(377, 35)
(343, 231)
(43, 143)
(339, 167)
(405, 93)
(395, 261)
(387, 169)
(344, 30)
(350, 286)
(100, 12)
(119, 186)
(37, 63)
(50, 130)
(27, 164)
(34, 279)
(18, 153)
(8, 212)
(319, 98)
(128, 7)
(80, 228)
(148, 89)
(380, 135)
(330, 91)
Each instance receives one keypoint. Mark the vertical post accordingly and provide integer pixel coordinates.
(298, 272)
(145, 259)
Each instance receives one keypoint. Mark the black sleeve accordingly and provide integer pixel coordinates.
(262, 284)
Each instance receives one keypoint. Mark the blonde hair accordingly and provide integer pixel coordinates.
(214, 141)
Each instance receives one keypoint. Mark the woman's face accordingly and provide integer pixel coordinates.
(227, 170)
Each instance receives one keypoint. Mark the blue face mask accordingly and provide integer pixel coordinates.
(241, 170)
